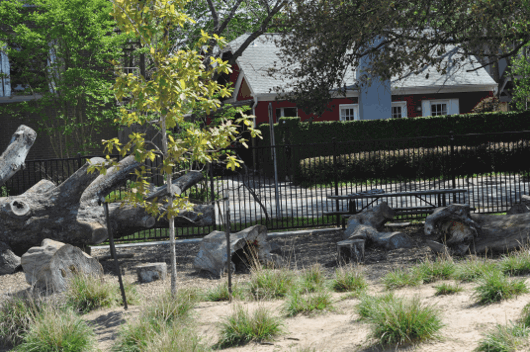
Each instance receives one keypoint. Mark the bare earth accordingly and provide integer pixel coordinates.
(337, 330)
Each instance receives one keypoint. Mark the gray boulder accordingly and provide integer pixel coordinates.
(9, 261)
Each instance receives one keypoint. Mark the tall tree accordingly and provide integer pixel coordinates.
(61, 50)
(324, 39)
(180, 83)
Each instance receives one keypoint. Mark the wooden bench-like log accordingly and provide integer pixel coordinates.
(351, 249)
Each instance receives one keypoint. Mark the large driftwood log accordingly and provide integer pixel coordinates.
(463, 232)
(52, 265)
(368, 224)
(14, 156)
(70, 212)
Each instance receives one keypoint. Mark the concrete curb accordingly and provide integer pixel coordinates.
(270, 236)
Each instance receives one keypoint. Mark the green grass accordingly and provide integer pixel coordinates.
(242, 327)
(440, 269)
(369, 304)
(516, 263)
(220, 292)
(400, 278)
(311, 302)
(473, 268)
(17, 313)
(525, 316)
(155, 318)
(494, 286)
(270, 283)
(175, 337)
(447, 289)
(313, 278)
(57, 330)
(86, 293)
(397, 321)
(349, 279)
(509, 338)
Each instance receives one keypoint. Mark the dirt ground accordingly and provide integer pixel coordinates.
(337, 330)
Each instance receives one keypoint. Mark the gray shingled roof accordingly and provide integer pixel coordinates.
(262, 54)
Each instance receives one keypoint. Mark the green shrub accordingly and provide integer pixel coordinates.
(516, 263)
(473, 268)
(242, 327)
(400, 278)
(17, 313)
(399, 321)
(313, 278)
(270, 283)
(447, 289)
(58, 330)
(86, 293)
(369, 304)
(220, 292)
(175, 337)
(298, 303)
(504, 339)
(525, 316)
(349, 279)
(440, 269)
(495, 286)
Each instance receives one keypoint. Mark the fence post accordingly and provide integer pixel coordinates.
(336, 178)
(212, 193)
(79, 160)
(452, 144)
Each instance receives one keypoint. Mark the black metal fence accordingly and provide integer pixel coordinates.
(285, 187)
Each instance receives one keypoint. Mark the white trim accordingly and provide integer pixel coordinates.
(452, 106)
(403, 105)
(283, 112)
(443, 89)
(19, 98)
(355, 108)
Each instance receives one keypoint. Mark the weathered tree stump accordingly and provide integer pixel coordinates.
(353, 250)
(463, 232)
(9, 261)
(52, 265)
(247, 245)
(368, 224)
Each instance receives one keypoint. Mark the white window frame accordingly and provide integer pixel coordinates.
(283, 111)
(439, 102)
(453, 106)
(355, 108)
(403, 105)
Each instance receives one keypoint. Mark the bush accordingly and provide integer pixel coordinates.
(504, 339)
(399, 321)
(298, 303)
(86, 293)
(400, 278)
(494, 287)
(56, 331)
(17, 313)
(270, 283)
(242, 327)
(440, 269)
(349, 279)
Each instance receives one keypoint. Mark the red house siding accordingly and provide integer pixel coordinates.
(466, 101)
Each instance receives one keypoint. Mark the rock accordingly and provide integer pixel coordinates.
(151, 272)
(212, 254)
(351, 249)
(52, 265)
(9, 261)
(518, 209)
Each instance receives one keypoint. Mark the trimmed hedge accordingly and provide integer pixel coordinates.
(415, 163)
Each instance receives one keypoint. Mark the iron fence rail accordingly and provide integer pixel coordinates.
(492, 167)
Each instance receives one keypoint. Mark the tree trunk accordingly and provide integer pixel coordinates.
(70, 213)
(14, 156)
(463, 232)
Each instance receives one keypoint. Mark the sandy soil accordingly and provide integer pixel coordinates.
(337, 330)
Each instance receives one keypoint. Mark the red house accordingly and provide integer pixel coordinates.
(457, 92)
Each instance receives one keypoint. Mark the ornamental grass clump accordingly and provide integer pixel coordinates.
(220, 292)
(86, 293)
(400, 278)
(313, 278)
(399, 321)
(516, 263)
(242, 327)
(17, 313)
(349, 279)
(473, 268)
(310, 302)
(270, 283)
(505, 338)
(440, 269)
(447, 289)
(175, 337)
(368, 304)
(57, 330)
(494, 286)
